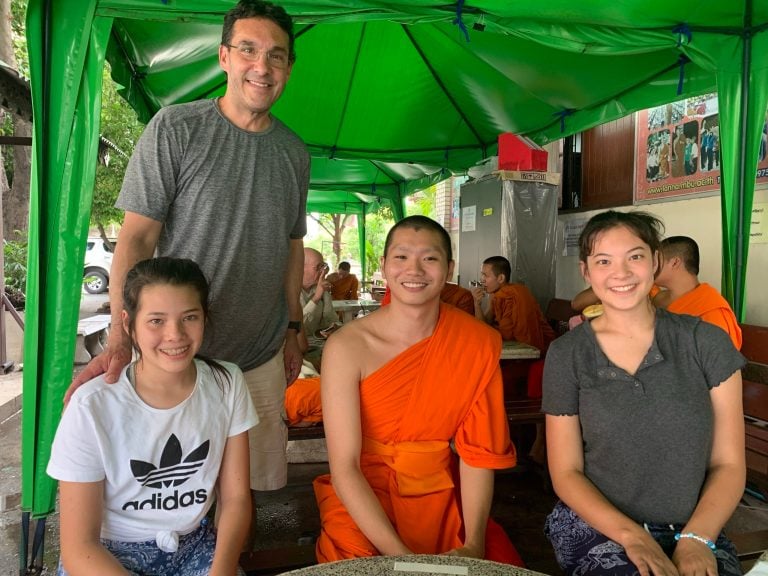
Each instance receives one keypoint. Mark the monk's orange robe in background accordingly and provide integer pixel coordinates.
(455, 295)
(411, 409)
(517, 316)
(707, 303)
(345, 288)
(302, 402)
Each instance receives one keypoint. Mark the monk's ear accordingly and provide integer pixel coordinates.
(451, 266)
(381, 267)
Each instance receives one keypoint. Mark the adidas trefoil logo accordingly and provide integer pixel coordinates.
(172, 471)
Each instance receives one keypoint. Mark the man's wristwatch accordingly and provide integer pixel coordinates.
(294, 325)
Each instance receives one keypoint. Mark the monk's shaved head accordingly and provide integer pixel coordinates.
(684, 248)
(422, 223)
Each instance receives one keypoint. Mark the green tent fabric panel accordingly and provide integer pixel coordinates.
(740, 132)
(67, 125)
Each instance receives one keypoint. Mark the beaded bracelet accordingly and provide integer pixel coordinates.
(708, 543)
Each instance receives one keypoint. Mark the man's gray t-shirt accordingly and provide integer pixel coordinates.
(230, 200)
(647, 438)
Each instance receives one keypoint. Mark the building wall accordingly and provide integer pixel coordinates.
(698, 218)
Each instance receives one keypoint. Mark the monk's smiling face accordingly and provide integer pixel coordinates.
(416, 266)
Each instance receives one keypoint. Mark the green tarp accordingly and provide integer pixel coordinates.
(401, 84)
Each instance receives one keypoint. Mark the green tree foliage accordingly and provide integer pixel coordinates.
(19, 35)
(422, 203)
(377, 224)
(120, 126)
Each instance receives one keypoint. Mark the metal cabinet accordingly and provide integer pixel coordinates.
(512, 215)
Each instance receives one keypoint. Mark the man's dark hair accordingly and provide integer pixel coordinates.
(646, 226)
(259, 9)
(345, 266)
(686, 249)
(500, 265)
(421, 223)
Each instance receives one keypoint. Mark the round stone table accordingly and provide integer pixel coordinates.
(416, 565)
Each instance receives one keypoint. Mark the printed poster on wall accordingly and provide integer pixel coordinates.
(678, 150)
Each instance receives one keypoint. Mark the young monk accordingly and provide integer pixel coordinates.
(393, 408)
(684, 293)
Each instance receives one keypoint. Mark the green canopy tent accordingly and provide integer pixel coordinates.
(419, 82)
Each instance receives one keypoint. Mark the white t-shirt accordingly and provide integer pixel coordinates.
(159, 466)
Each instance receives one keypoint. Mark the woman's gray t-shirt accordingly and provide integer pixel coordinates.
(647, 438)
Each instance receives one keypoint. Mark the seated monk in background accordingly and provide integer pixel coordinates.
(344, 284)
(394, 408)
(302, 402)
(513, 310)
(684, 293)
(462, 298)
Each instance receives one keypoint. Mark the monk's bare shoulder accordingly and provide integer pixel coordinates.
(356, 334)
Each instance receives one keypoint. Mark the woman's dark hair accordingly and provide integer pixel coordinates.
(421, 223)
(259, 9)
(645, 225)
(171, 272)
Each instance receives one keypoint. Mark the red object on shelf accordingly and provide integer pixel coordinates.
(520, 153)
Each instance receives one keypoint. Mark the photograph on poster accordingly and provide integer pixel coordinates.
(678, 150)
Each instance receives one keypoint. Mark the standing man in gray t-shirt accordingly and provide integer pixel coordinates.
(225, 183)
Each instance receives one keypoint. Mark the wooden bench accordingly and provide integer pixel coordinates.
(306, 432)
(755, 394)
(751, 545)
(91, 337)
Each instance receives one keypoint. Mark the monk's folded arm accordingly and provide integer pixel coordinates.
(476, 497)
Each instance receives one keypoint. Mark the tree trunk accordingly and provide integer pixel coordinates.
(16, 200)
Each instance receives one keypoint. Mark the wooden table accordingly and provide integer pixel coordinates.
(516, 359)
(350, 308)
(414, 565)
(512, 350)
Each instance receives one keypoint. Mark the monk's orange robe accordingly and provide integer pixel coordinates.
(517, 316)
(302, 402)
(412, 408)
(455, 295)
(707, 303)
(345, 288)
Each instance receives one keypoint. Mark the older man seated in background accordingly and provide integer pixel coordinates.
(344, 284)
(316, 303)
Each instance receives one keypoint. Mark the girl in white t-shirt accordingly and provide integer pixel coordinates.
(141, 461)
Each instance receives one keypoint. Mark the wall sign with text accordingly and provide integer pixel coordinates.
(678, 150)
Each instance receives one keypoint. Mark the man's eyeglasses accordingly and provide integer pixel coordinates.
(275, 58)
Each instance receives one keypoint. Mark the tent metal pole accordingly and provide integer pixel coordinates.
(746, 64)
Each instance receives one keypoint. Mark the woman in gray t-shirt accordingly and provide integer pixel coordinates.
(644, 422)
